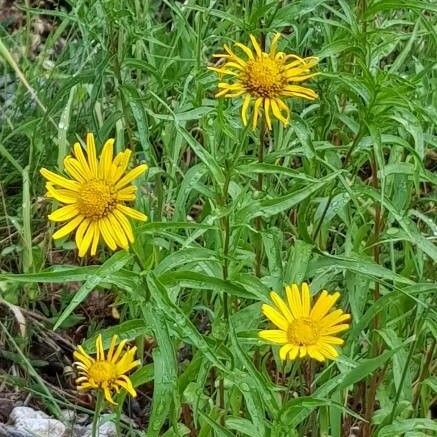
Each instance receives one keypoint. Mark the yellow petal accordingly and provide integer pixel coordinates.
(294, 302)
(256, 46)
(126, 383)
(78, 153)
(119, 165)
(108, 396)
(283, 352)
(66, 229)
(335, 329)
(96, 239)
(60, 180)
(299, 91)
(112, 347)
(91, 152)
(267, 113)
(133, 174)
(256, 110)
(274, 43)
(74, 169)
(118, 351)
(232, 56)
(118, 232)
(293, 352)
(277, 113)
(105, 161)
(60, 194)
(331, 340)
(334, 318)
(328, 351)
(106, 232)
(132, 213)
(283, 308)
(306, 299)
(302, 351)
(301, 78)
(275, 316)
(81, 355)
(246, 50)
(124, 222)
(99, 348)
(65, 213)
(318, 310)
(244, 108)
(87, 239)
(314, 352)
(274, 335)
(81, 231)
(86, 386)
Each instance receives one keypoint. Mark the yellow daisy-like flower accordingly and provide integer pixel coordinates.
(265, 79)
(95, 197)
(106, 373)
(304, 330)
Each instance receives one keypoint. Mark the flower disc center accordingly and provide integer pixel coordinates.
(96, 199)
(102, 371)
(303, 332)
(263, 77)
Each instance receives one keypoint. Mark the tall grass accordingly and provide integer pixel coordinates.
(346, 203)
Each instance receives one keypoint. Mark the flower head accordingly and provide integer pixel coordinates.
(264, 79)
(106, 373)
(95, 197)
(305, 330)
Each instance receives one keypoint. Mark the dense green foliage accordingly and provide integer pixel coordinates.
(346, 204)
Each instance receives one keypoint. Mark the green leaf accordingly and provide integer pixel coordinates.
(270, 207)
(408, 425)
(364, 368)
(357, 264)
(201, 281)
(291, 413)
(110, 266)
(203, 155)
(124, 279)
(128, 330)
(165, 387)
(385, 5)
(181, 322)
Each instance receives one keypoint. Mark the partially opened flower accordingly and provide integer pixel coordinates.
(264, 79)
(106, 373)
(95, 197)
(304, 329)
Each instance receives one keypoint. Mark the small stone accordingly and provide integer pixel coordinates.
(106, 427)
(73, 417)
(35, 423)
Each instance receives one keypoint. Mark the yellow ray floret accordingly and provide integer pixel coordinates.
(264, 79)
(95, 197)
(106, 373)
(303, 329)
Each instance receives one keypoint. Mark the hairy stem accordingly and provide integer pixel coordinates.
(375, 378)
(225, 228)
(259, 187)
(97, 410)
(331, 192)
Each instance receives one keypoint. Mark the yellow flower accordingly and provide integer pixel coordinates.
(95, 197)
(106, 373)
(265, 79)
(304, 330)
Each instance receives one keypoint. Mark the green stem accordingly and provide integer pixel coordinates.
(375, 379)
(331, 192)
(97, 410)
(259, 187)
(225, 227)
